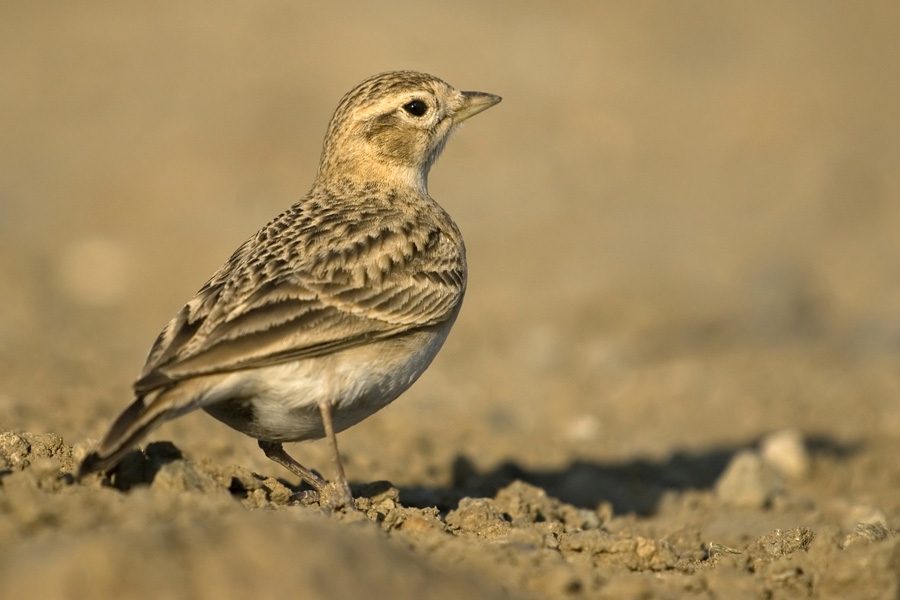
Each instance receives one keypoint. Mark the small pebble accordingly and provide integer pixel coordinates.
(785, 451)
(747, 482)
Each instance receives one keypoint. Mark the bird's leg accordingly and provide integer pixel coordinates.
(275, 451)
(342, 496)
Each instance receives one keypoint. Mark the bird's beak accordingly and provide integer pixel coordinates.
(473, 103)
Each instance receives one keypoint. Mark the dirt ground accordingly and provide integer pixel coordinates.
(677, 370)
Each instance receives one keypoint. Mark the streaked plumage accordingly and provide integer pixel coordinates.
(335, 307)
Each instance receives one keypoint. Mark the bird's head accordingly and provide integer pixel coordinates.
(391, 128)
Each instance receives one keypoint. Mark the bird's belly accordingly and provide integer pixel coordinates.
(281, 403)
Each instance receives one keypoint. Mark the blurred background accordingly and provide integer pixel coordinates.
(682, 221)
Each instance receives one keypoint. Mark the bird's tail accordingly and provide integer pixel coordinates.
(141, 417)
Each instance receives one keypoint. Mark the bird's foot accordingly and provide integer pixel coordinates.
(306, 497)
(336, 495)
(331, 495)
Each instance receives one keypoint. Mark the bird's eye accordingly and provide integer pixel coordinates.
(416, 108)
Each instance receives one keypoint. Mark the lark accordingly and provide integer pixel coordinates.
(335, 307)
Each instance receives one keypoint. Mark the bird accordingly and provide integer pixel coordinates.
(336, 306)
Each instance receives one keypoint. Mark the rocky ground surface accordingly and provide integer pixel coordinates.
(677, 371)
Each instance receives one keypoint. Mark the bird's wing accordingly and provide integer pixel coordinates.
(281, 301)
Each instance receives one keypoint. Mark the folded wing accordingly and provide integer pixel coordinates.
(289, 299)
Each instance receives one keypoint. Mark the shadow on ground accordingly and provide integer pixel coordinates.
(635, 486)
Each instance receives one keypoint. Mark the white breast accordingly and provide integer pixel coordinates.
(357, 383)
